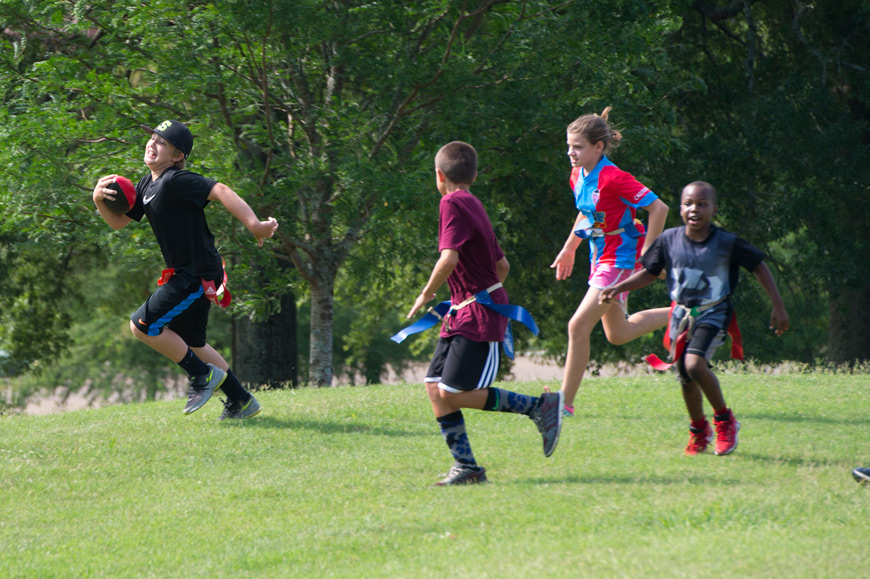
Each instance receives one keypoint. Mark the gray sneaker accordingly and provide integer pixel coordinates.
(463, 475)
(547, 416)
(234, 409)
(862, 475)
(202, 387)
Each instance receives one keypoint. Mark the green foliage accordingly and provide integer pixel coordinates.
(36, 286)
(778, 123)
(338, 483)
(328, 115)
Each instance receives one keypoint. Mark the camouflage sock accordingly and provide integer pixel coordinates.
(453, 430)
(500, 400)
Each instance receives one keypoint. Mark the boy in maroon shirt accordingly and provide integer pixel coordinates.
(466, 358)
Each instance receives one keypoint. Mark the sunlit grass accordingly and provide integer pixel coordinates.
(337, 482)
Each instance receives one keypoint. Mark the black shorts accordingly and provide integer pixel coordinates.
(180, 305)
(460, 364)
(706, 339)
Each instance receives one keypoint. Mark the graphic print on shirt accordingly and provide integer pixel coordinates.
(696, 286)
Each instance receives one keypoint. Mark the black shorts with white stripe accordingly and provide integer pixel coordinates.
(460, 364)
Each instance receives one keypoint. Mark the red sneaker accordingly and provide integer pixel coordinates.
(699, 438)
(726, 433)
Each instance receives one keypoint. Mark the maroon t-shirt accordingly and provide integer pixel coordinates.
(465, 227)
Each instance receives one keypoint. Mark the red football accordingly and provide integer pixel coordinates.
(125, 195)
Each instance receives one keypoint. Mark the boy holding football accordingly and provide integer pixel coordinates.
(173, 319)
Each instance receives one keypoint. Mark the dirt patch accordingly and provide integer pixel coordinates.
(64, 399)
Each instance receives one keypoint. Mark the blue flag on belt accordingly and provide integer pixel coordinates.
(437, 313)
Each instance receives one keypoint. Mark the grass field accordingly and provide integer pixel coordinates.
(337, 483)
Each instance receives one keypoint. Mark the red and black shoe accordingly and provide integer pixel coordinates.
(699, 438)
(727, 428)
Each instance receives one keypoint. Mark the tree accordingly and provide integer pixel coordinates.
(322, 106)
(265, 351)
(327, 114)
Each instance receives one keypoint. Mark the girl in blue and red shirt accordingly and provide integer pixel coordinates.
(607, 200)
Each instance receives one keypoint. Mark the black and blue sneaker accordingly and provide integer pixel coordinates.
(862, 475)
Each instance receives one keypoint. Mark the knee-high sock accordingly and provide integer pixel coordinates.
(499, 400)
(453, 430)
(193, 365)
(234, 389)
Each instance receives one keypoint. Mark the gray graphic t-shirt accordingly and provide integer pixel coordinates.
(701, 272)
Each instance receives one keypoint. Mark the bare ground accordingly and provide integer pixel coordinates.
(63, 399)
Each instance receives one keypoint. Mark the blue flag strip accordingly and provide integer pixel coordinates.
(508, 344)
(437, 313)
(424, 323)
(516, 313)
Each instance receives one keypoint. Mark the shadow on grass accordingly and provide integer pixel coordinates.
(782, 417)
(323, 426)
(634, 480)
(797, 461)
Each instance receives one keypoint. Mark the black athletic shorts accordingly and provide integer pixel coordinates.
(460, 364)
(706, 338)
(180, 305)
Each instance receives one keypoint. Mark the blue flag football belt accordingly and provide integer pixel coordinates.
(444, 310)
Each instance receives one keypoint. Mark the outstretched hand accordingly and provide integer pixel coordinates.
(263, 230)
(421, 301)
(564, 264)
(607, 295)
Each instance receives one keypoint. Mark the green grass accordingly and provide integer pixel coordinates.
(337, 482)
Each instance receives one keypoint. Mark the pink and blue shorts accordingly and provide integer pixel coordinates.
(605, 275)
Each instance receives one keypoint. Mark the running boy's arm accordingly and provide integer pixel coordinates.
(564, 262)
(658, 213)
(101, 193)
(640, 278)
(779, 321)
(502, 268)
(442, 270)
(237, 207)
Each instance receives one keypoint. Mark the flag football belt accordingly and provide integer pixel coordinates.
(684, 333)
(443, 311)
(219, 296)
(590, 232)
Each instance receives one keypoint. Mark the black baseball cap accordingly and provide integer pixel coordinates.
(176, 133)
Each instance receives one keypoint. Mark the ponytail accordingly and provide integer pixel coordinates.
(595, 129)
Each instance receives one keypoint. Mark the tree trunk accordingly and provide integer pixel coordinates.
(265, 353)
(847, 325)
(322, 316)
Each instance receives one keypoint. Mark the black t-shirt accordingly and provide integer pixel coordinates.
(174, 205)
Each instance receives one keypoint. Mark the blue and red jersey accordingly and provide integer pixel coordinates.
(609, 198)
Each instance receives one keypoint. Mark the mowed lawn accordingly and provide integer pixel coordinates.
(338, 483)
